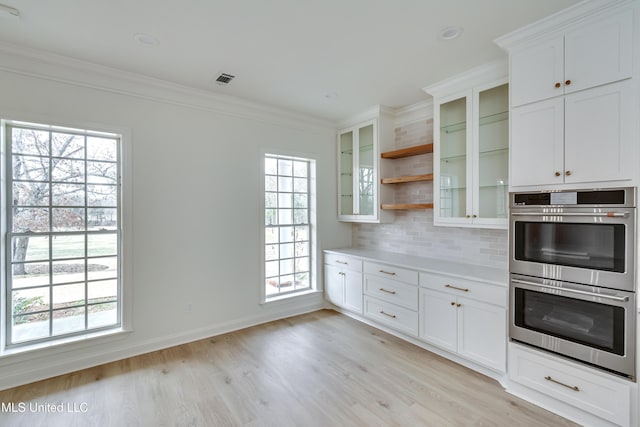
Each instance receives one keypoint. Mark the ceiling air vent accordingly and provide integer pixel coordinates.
(224, 79)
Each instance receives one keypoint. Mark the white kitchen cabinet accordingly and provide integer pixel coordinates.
(464, 317)
(359, 191)
(343, 282)
(584, 137)
(471, 148)
(590, 55)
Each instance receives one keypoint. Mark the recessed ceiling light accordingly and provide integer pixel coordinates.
(451, 33)
(9, 11)
(146, 39)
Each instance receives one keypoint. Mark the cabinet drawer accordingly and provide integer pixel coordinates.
(392, 291)
(394, 316)
(391, 272)
(599, 394)
(343, 261)
(492, 294)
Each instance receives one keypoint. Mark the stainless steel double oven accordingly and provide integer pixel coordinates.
(573, 275)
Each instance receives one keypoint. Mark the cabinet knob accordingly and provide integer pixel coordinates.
(557, 174)
(453, 303)
(468, 216)
(557, 85)
(475, 216)
(458, 305)
(567, 173)
(568, 82)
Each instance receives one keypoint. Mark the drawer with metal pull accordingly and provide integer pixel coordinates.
(492, 294)
(394, 316)
(392, 291)
(391, 272)
(343, 261)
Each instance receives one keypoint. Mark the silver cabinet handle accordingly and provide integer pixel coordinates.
(390, 273)
(592, 214)
(387, 291)
(341, 262)
(575, 291)
(456, 288)
(572, 387)
(387, 314)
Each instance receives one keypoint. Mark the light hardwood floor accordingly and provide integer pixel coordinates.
(318, 369)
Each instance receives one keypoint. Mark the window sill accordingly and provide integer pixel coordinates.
(62, 345)
(289, 297)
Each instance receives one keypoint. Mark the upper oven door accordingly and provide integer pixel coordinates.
(592, 246)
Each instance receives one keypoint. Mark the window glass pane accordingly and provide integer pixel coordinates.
(302, 280)
(67, 194)
(28, 141)
(67, 219)
(270, 166)
(102, 244)
(103, 315)
(67, 145)
(285, 200)
(68, 295)
(285, 184)
(68, 271)
(300, 216)
(70, 246)
(285, 216)
(68, 320)
(102, 291)
(30, 327)
(271, 252)
(102, 173)
(300, 200)
(28, 168)
(300, 185)
(102, 218)
(30, 194)
(102, 195)
(30, 248)
(286, 234)
(29, 274)
(302, 233)
(271, 183)
(302, 265)
(270, 216)
(271, 200)
(271, 235)
(30, 220)
(30, 300)
(102, 148)
(302, 248)
(285, 167)
(271, 269)
(300, 169)
(102, 268)
(64, 170)
(286, 250)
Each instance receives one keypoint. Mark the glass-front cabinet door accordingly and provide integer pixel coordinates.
(453, 159)
(492, 161)
(471, 163)
(358, 175)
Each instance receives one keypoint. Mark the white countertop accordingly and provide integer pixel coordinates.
(492, 275)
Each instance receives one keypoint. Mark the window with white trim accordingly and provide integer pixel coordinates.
(288, 213)
(63, 237)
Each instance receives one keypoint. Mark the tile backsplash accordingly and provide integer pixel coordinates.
(413, 232)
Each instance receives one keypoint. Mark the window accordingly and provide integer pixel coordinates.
(63, 232)
(288, 213)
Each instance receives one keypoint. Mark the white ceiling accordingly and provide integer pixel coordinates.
(326, 58)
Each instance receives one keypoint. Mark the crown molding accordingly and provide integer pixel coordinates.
(553, 24)
(43, 65)
(494, 70)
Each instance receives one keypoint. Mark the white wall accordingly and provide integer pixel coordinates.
(195, 227)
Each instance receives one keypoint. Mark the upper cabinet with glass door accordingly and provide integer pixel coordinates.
(471, 148)
(359, 189)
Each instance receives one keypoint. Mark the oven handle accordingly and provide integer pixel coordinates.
(592, 214)
(575, 291)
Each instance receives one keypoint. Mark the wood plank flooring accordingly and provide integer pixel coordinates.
(317, 369)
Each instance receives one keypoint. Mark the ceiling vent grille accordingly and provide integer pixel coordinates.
(224, 79)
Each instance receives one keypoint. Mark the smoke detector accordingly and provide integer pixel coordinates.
(224, 79)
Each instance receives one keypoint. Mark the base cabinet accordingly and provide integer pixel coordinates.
(343, 282)
(589, 390)
(473, 326)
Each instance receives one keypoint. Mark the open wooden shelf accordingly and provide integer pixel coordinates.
(399, 206)
(407, 178)
(408, 152)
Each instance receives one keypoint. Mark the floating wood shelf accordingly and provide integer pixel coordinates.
(408, 152)
(399, 206)
(407, 178)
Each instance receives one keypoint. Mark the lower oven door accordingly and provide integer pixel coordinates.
(586, 323)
